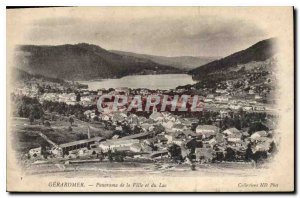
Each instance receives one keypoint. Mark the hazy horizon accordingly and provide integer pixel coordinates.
(154, 31)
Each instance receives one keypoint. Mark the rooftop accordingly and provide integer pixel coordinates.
(120, 141)
(231, 131)
(135, 136)
(207, 127)
(95, 139)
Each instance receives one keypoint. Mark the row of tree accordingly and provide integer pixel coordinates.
(229, 154)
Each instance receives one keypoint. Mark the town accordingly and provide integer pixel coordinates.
(228, 128)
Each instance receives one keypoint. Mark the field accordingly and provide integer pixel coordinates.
(27, 137)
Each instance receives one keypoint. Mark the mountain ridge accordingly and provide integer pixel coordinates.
(83, 62)
(260, 51)
(180, 62)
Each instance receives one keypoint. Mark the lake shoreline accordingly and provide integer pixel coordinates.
(151, 81)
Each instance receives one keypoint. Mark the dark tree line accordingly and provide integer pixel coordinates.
(31, 108)
(27, 107)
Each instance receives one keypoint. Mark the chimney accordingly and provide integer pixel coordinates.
(89, 134)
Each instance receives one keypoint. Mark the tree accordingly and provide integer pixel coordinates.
(42, 119)
(81, 136)
(44, 152)
(41, 90)
(227, 123)
(96, 119)
(175, 152)
(80, 116)
(70, 129)
(137, 129)
(36, 111)
(219, 154)
(27, 106)
(126, 130)
(241, 112)
(110, 155)
(191, 156)
(71, 120)
(259, 156)
(193, 167)
(257, 126)
(249, 153)
(237, 123)
(158, 129)
(100, 155)
(230, 155)
(273, 148)
(47, 124)
(78, 97)
(193, 144)
(153, 147)
(31, 119)
(119, 156)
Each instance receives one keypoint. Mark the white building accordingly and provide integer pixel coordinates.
(35, 152)
(257, 135)
(207, 130)
(233, 133)
(116, 144)
(222, 98)
(156, 116)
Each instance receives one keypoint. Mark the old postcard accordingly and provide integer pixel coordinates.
(150, 99)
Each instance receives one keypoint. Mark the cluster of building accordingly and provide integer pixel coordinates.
(235, 103)
(224, 96)
(157, 133)
(162, 130)
(23, 89)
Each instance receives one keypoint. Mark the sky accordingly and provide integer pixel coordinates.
(156, 31)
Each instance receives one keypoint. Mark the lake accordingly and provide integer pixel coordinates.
(161, 81)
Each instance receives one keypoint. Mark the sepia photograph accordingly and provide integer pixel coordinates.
(150, 99)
